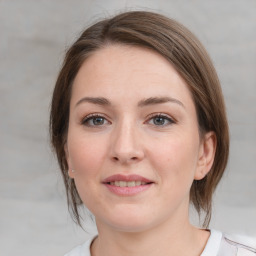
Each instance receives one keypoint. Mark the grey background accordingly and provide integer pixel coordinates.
(34, 35)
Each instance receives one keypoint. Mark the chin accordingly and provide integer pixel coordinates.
(128, 222)
(132, 227)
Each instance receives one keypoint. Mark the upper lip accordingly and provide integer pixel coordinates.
(121, 177)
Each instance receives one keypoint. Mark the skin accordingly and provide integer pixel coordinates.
(129, 139)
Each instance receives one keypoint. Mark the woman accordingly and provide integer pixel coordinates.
(139, 127)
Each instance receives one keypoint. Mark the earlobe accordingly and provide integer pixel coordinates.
(70, 170)
(71, 173)
(206, 155)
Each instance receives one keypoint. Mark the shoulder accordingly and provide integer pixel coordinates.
(220, 244)
(238, 245)
(81, 250)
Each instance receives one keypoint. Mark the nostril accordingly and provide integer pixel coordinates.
(125, 159)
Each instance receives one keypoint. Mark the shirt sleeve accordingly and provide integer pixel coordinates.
(81, 250)
(232, 248)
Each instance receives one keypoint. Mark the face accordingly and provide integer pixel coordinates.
(133, 139)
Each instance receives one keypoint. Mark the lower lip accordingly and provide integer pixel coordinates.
(128, 191)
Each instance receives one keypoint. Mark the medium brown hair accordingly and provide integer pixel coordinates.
(186, 54)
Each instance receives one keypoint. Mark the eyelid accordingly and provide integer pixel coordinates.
(91, 116)
(149, 117)
(159, 114)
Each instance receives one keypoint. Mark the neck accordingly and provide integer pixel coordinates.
(177, 239)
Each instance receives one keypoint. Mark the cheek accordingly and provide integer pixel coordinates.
(176, 160)
(86, 153)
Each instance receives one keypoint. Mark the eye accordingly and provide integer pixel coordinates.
(95, 120)
(160, 120)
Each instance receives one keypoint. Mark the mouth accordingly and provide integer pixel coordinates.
(127, 185)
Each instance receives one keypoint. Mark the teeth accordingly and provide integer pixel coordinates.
(131, 184)
(138, 183)
(122, 183)
(127, 183)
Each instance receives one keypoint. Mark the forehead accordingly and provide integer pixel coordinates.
(119, 58)
(128, 70)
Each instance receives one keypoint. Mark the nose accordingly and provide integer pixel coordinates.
(126, 145)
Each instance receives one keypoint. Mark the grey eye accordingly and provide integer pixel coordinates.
(98, 120)
(95, 121)
(159, 120)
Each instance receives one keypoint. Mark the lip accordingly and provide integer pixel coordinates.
(127, 191)
(121, 177)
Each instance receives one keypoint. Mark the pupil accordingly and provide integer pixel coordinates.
(159, 121)
(98, 120)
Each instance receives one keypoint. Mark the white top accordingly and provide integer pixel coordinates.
(218, 245)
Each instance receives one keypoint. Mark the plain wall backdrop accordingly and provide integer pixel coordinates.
(34, 219)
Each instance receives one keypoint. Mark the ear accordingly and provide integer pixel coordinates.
(206, 155)
(70, 170)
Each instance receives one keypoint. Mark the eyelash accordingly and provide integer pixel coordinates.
(92, 117)
(161, 115)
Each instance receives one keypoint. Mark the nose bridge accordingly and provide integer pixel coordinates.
(126, 144)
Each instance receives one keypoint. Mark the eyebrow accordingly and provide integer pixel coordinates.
(142, 103)
(158, 100)
(95, 100)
